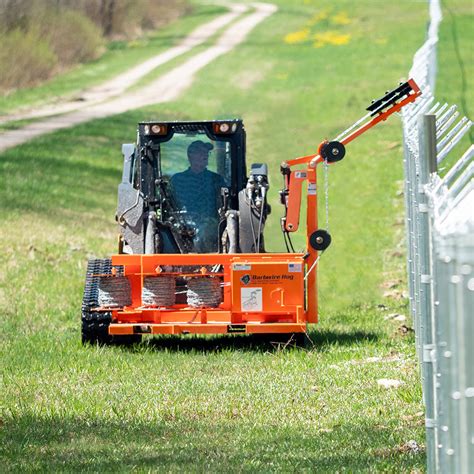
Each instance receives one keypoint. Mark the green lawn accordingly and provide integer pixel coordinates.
(224, 403)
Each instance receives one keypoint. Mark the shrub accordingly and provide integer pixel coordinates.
(128, 18)
(40, 37)
(72, 37)
(25, 59)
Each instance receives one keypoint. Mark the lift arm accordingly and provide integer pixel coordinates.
(331, 151)
(392, 101)
(317, 240)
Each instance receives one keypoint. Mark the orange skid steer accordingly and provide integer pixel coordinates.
(192, 256)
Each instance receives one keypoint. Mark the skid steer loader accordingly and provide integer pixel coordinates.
(191, 256)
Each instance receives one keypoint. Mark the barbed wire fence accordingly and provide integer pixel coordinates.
(439, 202)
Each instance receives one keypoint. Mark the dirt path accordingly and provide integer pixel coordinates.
(168, 87)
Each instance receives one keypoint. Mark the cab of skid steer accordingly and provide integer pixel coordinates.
(180, 183)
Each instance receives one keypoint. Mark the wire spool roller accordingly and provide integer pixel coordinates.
(204, 292)
(159, 291)
(114, 291)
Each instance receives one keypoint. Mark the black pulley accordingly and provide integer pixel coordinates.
(320, 239)
(333, 151)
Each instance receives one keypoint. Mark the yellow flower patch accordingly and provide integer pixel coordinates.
(324, 17)
(330, 37)
(297, 36)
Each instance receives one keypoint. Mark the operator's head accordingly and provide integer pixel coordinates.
(198, 155)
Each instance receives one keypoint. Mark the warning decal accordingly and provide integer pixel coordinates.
(311, 188)
(251, 299)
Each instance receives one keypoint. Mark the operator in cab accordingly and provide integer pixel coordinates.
(197, 193)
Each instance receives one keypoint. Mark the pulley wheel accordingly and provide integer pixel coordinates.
(333, 151)
(320, 239)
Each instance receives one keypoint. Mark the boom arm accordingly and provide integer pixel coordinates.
(333, 151)
(318, 239)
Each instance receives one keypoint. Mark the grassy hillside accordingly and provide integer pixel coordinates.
(224, 403)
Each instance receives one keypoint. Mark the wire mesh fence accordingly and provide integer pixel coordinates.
(440, 241)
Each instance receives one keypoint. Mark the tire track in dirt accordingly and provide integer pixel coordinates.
(168, 87)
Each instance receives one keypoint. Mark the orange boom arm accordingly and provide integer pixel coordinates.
(330, 152)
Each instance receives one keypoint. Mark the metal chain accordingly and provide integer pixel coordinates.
(326, 202)
(326, 192)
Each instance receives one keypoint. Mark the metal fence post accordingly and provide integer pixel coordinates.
(415, 177)
(427, 162)
(409, 157)
(444, 297)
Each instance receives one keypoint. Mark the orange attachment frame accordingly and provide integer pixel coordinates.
(260, 293)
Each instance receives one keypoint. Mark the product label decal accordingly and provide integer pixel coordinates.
(242, 267)
(251, 299)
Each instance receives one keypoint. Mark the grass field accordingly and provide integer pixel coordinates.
(224, 403)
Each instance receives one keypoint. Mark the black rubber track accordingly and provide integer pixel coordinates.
(95, 325)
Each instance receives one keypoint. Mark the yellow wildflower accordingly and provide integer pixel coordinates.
(341, 39)
(340, 18)
(330, 37)
(297, 36)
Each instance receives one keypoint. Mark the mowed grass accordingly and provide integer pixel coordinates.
(224, 403)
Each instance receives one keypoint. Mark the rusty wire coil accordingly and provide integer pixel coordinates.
(204, 292)
(114, 291)
(159, 291)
